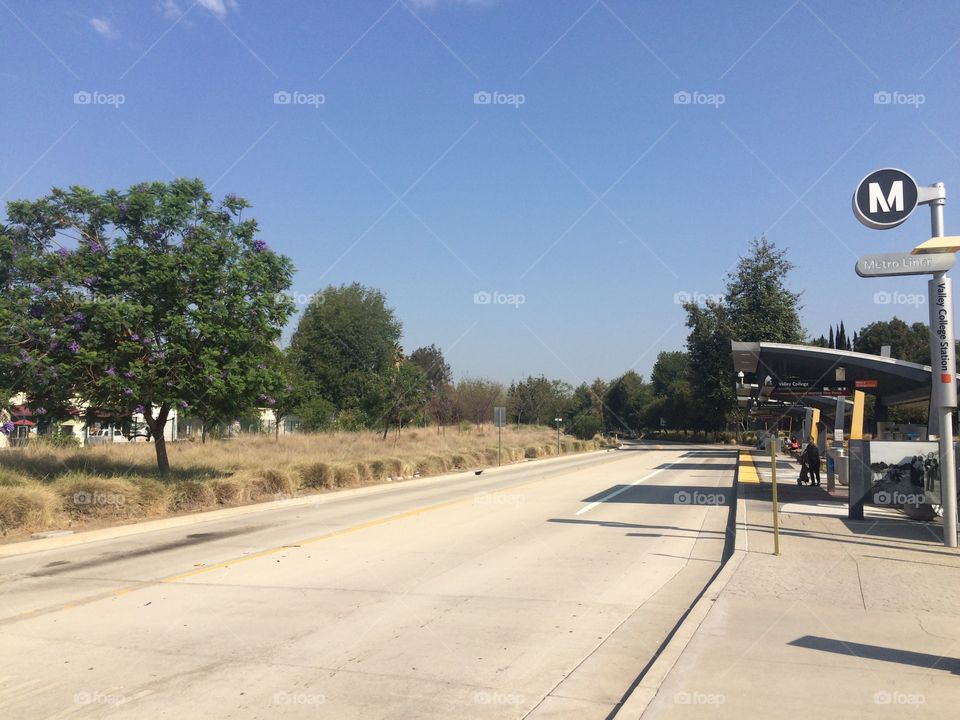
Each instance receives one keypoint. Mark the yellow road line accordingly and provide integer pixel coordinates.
(748, 472)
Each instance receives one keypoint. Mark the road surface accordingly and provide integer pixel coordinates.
(538, 590)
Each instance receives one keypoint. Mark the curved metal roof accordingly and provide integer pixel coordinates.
(897, 381)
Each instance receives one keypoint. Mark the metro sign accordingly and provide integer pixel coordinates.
(885, 198)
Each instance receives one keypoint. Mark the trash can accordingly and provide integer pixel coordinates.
(837, 467)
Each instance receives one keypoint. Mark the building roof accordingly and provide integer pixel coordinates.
(892, 381)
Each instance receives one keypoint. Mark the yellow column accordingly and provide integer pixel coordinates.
(814, 421)
(856, 420)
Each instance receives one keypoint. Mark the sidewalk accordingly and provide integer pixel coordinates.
(852, 620)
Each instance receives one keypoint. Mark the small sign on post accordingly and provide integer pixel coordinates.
(499, 420)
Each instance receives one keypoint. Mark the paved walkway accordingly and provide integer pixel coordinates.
(852, 620)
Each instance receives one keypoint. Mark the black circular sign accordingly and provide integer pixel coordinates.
(885, 198)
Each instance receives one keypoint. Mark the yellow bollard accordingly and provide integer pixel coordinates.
(776, 509)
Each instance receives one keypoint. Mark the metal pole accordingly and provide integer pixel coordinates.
(948, 473)
(776, 509)
(499, 435)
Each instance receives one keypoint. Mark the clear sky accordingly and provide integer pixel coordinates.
(580, 184)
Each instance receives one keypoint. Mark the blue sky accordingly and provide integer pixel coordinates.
(585, 187)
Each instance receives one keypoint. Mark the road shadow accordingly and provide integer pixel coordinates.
(878, 652)
(696, 466)
(664, 495)
(635, 526)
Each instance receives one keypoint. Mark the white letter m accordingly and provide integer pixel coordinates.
(894, 198)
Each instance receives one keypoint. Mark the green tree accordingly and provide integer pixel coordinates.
(760, 306)
(145, 300)
(475, 398)
(757, 307)
(346, 337)
(530, 400)
(430, 359)
(626, 401)
(398, 395)
(711, 362)
(907, 342)
(669, 368)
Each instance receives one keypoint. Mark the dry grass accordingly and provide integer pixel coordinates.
(43, 487)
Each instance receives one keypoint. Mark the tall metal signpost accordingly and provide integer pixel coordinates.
(499, 420)
(884, 199)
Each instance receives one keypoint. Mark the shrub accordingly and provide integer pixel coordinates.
(378, 470)
(317, 476)
(230, 491)
(273, 482)
(95, 497)
(26, 507)
(345, 476)
(192, 495)
(532, 453)
(363, 473)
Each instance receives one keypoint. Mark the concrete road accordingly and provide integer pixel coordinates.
(540, 590)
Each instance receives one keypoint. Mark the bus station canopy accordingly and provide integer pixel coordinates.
(893, 382)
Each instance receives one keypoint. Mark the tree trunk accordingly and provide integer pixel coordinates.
(203, 433)
(159, 441)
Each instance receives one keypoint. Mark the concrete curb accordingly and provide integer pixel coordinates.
(135, 528)
(643, 693)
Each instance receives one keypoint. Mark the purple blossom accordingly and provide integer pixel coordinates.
(6, 428)
(127, 391)
(78, 318)
(128, 374)
(134, 337)
(90, 280)
(36, 290)
(184, 404)
(63, 252)
(96, 247)
(35, 311)
(74, 347)
(111, 372)
(123, 207)
(138, 409)
(40, 411)
(54, 344)
(259, 245)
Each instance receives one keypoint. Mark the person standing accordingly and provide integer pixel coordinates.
(811, 460)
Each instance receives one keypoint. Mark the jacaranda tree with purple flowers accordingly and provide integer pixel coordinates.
(147, 300)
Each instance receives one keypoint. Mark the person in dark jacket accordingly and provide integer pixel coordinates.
(811, 461)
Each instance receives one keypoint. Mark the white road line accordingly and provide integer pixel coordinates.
(592, 505)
